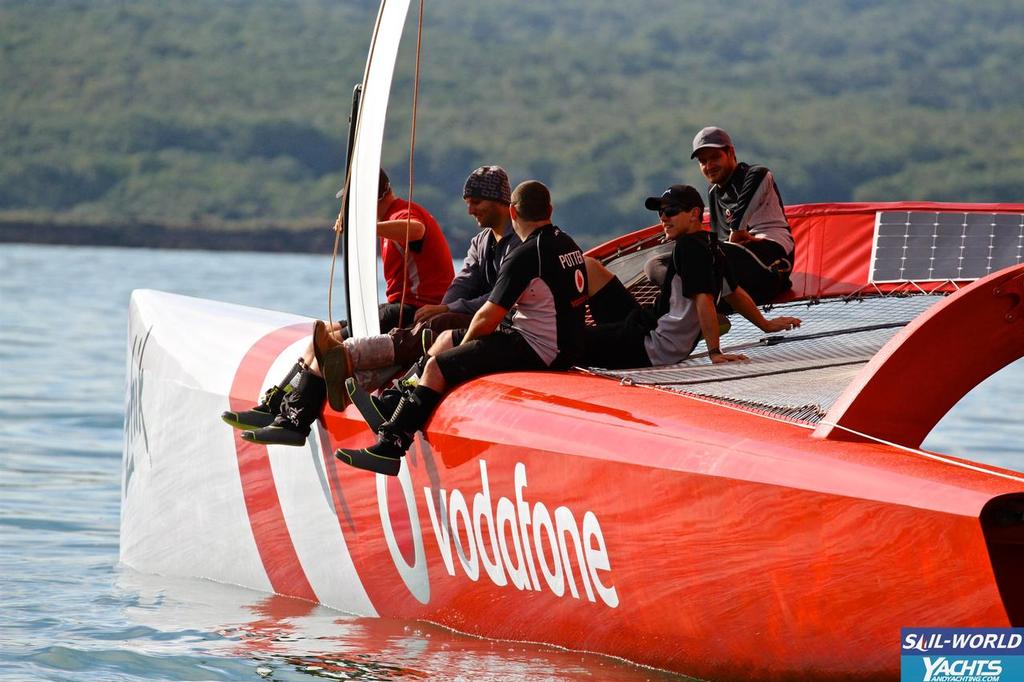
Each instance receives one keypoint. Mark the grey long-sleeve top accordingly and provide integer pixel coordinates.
(469, 290)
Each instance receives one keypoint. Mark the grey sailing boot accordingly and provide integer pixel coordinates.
(299, 410)
(264, 413)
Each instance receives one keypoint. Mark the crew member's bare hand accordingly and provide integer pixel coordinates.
(429, 311)
(778, 324)
(720, 358)
(740, 237)
(338, 225)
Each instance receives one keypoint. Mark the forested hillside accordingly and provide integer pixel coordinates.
(229, 114)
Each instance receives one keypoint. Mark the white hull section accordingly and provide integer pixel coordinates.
(184, 512)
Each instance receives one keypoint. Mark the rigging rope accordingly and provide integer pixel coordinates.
(783, 338)
(412, 155)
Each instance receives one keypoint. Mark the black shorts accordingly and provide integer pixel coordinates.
(409, 341)
(616, 345)
(751, 264)
(498, 352)
(394, 315)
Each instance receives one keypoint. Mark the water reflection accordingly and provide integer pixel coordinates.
(282, 638)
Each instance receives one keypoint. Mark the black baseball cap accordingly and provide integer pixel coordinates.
(681, 196)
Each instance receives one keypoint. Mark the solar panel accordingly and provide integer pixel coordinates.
(944, 245)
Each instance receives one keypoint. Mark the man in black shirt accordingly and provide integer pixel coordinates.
(747, 210)
(693, 278)
(544, 283)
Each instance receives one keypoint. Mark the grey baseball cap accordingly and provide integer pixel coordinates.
(710, 137)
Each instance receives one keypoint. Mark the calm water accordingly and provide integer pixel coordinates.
(68, 612)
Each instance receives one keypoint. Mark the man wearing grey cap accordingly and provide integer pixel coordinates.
(693, 279)
(747, 210)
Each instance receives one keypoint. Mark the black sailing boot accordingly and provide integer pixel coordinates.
(395, 436)
(426, 341)
(375, 409)
(411, 379)
(299, 410)
(264, 413)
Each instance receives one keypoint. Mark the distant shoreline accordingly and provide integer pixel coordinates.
(307, 236)
(301, 238)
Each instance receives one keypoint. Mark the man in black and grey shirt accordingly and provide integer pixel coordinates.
(747, 211)
(543, 282)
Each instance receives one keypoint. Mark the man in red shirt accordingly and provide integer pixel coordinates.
(418, 268)
(421, 269)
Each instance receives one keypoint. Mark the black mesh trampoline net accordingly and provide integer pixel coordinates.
(797, 374)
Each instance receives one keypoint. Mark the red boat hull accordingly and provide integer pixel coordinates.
(667, 530)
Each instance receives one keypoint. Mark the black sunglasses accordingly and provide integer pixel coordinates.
(670, 211)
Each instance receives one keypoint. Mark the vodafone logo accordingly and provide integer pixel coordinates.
(579, 281)
(488, 533)
(516, 544)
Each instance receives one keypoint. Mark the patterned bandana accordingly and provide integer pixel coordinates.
(488, 182)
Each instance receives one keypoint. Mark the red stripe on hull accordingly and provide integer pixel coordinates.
(262, 503)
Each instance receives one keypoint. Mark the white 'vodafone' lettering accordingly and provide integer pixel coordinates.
(529, 531)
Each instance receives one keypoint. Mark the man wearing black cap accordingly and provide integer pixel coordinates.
(747, 210)
(543, 283)
(692, 281)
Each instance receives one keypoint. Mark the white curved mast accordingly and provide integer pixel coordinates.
(361, 240)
